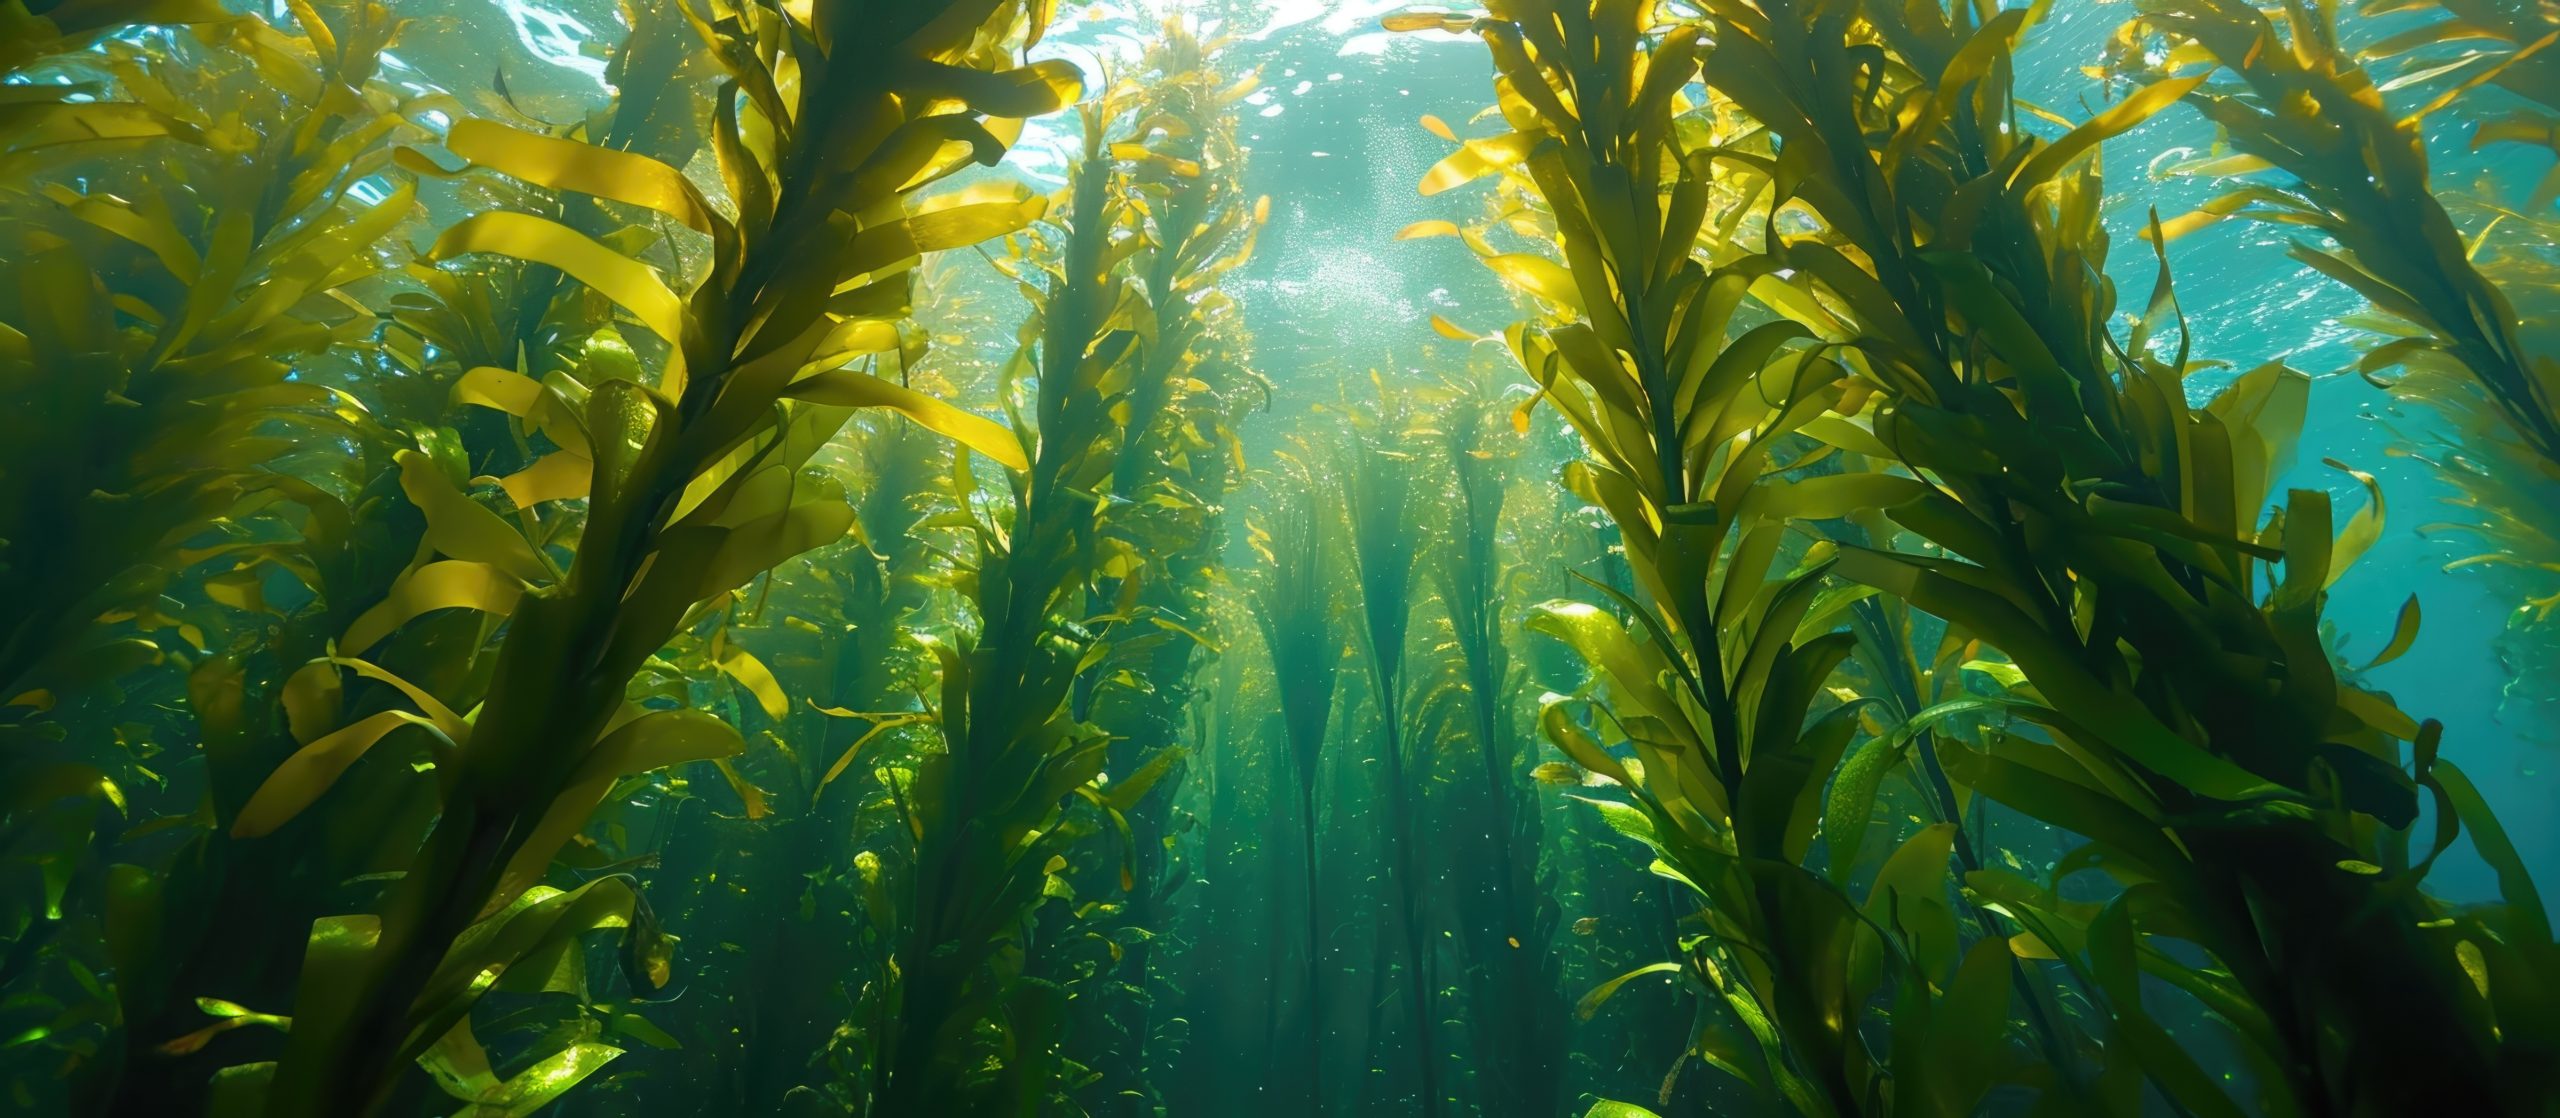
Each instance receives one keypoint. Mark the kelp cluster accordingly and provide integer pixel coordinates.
(448, 535)
(749, 598)
(2288, 96)
(1918, 396)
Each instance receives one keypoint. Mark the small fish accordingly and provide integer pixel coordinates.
(1588, 925)
(1556, 772)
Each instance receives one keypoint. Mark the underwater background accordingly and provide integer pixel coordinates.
(974, 557)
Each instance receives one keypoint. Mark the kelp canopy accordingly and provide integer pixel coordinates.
(965, 557)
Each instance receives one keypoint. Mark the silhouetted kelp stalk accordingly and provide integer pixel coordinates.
(809, 892)
(2100, 533)
(1516, 1010)
(1294, 602)
(1379, 491)
(693, 490)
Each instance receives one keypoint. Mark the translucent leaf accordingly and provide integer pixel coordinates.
(462, 528)
(630, 284)
(851, 389)
(449, 584)
(1591, 1002)
(313, 769)
(739, 664)
(584, 168)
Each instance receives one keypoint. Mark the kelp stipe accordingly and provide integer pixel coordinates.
(1516, 1010)
(1968, 557)
(1379, 492)
(1294, 604)
(264, 700)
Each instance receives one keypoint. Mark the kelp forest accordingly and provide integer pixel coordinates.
(1279, 558)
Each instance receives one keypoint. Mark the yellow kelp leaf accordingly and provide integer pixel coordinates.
(845, 760)
(1421, 229)
(1557, 773)
(1426, 21)
(1476, 160)
(2378, 712)
(228, 1017)
(1845, 434)
(1528, 407)
(968, 218)
(1452, 330)
(1600, 994)
(2212, 211)
(502, 389)
(655, 740)
(761, 544)
(846, 388)
(2404, 633)
(630, 284)
(2119, 118)
(312, 697)
(556, 476)
(2474, 964)
(1035, 90)
(1438, 127)
(1141, 153)
(462, 528)
(1556, 719)
(241, 588)
(2025, 945)
(716, 480)
(1538, 276)
(759, 804)
(2363, 529)
(45, 124)
(585, 168)
(151, 232)
(659, 739)
(447, 723)
(312, 769)
(741, 665)
(2467, 84)
(450, 584)
(856, 337)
